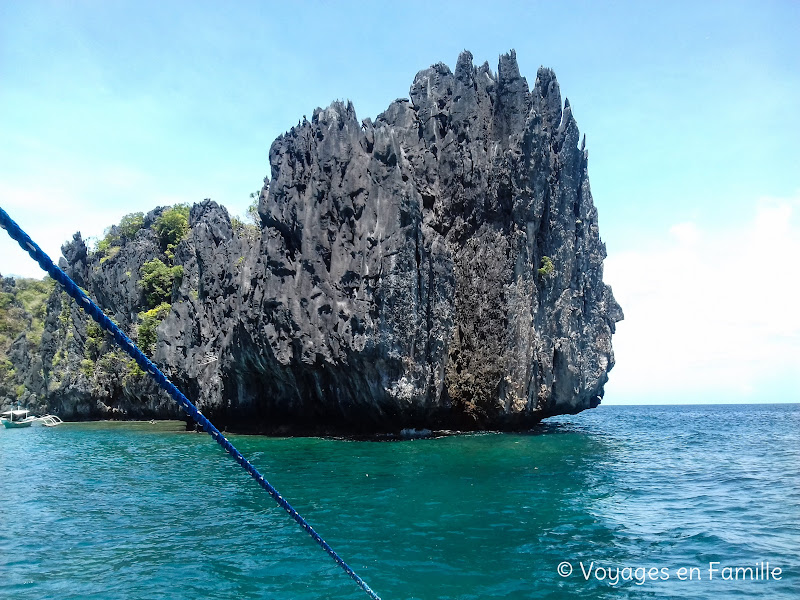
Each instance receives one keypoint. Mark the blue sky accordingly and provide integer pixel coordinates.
(690, 110)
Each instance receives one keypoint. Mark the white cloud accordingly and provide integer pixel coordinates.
(52, 207)
(711, 314)
(50, 213)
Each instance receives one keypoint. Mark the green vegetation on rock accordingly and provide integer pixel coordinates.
(23, 305)
(149, 321)
(157, 281)
(133, 373)
(23, 308)
(77, 357)
(130, 224)
(172, 226)
(87, 368)
(6, 369)
(245, 230)
(249, 226)
(33, 294)
(114, 236)
(66, 312)
(252, 215)
(104, 245)
(547, 267)
(94, 341)
(110, 253)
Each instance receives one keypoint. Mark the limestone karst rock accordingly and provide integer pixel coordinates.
(440, 267)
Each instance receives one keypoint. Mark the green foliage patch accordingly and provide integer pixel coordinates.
(6, 299)
(7, 371)
(104, 245)
(111, 253)
(547, 267)
(245, 230)
(157, 281)
(172, 226)
(94, 341)
(66, 313)
(133, 373)
(149, 321)
(87, 368)
(130, 224)
(23, 310)
(252, 209)
(114, 236)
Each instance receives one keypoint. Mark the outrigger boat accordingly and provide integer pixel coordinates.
(21, 417)
(17, 418)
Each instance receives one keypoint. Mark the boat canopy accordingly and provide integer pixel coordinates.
(15, 413)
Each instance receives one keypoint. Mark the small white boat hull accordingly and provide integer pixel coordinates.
(12, 419)
(16, 424)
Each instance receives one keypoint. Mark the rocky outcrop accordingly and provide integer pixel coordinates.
(22, 312)
(438, 267)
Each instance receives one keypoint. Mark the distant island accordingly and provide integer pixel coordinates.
(439, 267)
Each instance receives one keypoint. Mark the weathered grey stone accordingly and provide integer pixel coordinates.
(396, 283)
(400, 277)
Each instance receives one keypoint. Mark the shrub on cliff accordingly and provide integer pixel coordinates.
(114, 236)
(23, 305)
(547, 267)
(157, 281)
(22, 309)
(94, 341)
(147, 327)
(130, 224)
(172, 226)
(245, 230)
(252, 209)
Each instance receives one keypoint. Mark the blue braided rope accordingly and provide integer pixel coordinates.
(44, 261)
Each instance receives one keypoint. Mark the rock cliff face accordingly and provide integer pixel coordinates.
(439, 267)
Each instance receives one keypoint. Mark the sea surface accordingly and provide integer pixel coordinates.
(145, 511)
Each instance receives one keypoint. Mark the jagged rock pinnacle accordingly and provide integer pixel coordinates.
(440, 267)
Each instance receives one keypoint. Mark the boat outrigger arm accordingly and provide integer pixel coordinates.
(21, 417)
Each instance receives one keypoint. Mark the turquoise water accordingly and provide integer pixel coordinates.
(144, 511)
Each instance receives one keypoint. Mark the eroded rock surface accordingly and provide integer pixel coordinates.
(440, 267)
